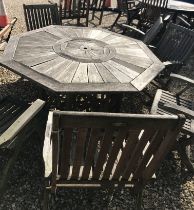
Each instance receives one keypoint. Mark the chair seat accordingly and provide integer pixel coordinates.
(163, 97)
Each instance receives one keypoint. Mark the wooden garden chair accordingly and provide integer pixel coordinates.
(98, 5)
(147, 37)
(17, 122)
(75, 9)
(5, 33)
(167, 103)
(146, 13)
(123, 6)
(41, 15)
(90, 149)
(174, 48)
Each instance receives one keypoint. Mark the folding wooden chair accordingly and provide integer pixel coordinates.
(105, 149)
(17, 122)
(41, 15)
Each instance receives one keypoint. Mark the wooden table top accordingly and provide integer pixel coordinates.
(80, 59)
(180, 6)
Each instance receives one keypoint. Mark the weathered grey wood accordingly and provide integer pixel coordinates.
(17, 131)
(123, 78)
(93, 74)
(166, 103)
(76, 59)
(180, 6)
(74, 10)
(40, 15)
(106, 75)
(107, 147)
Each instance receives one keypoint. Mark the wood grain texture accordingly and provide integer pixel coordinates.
(77, 59)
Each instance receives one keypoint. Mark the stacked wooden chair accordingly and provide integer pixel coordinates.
(18, 121)
(5, 33)
(41, 15)
(167, 103)
(105, 149)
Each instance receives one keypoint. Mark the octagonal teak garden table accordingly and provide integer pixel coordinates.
(76, 59)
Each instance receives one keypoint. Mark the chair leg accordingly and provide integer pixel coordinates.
(113, 25)
(139, 202)
(101, 15)
(6, 172)
(46, 199)
(184, 158)
(93, 14)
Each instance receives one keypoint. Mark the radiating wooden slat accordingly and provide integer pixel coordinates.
(60, 70)
(81, 75)
(95, 33)
(93, 74)
(134, 52)
(105, 74)
(101, 35)
(123, 78)
(70, 72)
(134, 60)
(59, 33)
(129, 72)
(26, 55)
(48, 66)
(36, 60)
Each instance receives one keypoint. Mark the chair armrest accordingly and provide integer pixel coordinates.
(21, 121)
(183, 78)
(47, 148)
(183, 21)
(133, 29)
(176, 109)
(172, 63)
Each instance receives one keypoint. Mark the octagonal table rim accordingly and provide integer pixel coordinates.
(8, 62)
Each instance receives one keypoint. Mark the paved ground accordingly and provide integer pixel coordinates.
(173, 189)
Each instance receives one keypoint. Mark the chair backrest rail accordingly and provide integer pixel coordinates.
(103, 146)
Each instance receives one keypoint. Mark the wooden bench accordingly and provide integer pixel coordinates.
(18, 121)
(105, 149)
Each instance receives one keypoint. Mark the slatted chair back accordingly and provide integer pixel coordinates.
(176, 44)
(41, 15)
(107, 148)
(151, 10)
(154, 31)
(74, 9)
